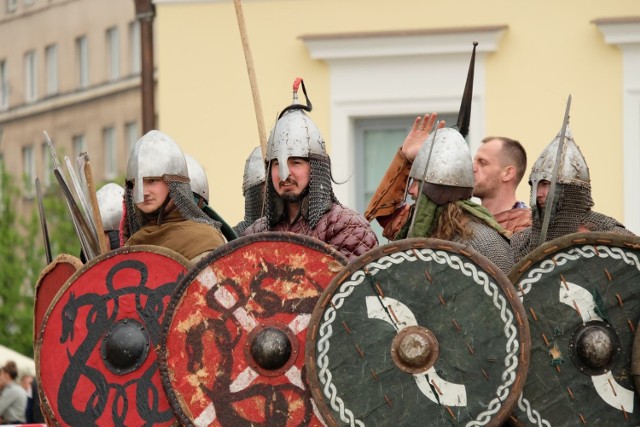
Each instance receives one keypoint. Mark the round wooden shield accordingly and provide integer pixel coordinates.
(419, 332)
(96, 355)
(580, 295)
(233, 341)
(51, 280)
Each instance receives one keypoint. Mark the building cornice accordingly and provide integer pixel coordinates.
(619, 31)
(69, 99)
(402, 43)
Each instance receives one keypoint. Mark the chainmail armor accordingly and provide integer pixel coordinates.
(180, 193)
(253, 203)
(320, 195)
(572, 210)
(490, 243)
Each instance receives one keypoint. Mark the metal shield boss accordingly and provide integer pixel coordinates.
(233, 341)
(581, 297)
(419, 332)
(96, 353)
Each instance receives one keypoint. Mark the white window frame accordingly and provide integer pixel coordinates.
(82, 61)
(30, 76)
(625, 33)
(51, 58)
(429, 69)
(4, 85)
(110, 152)
(135, 47)
(113, 53)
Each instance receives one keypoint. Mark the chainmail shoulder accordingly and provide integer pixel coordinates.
(596, 221)
(521, 244)
(259, 226)
(488, 242)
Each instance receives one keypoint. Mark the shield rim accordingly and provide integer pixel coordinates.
(583, 238)
(44, 401)
(182, 413)
(60, 259)
(553, 246)
(420, 243)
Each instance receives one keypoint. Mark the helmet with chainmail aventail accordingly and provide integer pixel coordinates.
(572, 198)
(199, 181)
(156, 155)
(296, 135)
(252, 189)
(110, 197)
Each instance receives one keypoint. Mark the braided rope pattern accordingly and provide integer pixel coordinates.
(481, 278)
(535, 274)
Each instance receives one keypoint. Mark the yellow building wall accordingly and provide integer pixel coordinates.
(550, 49)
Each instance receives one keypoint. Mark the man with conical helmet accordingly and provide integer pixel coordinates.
(299, 195)
(159, 205)
(571, 207)
(435, 167)
(252, 189)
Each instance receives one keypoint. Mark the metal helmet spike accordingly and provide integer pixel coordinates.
(254, 171)
(198, 177)
(294, 134)
(156, 154)
(110, 197)
(464, 114)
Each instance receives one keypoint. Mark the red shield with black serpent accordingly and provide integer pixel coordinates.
(233, 342)
(96, 356)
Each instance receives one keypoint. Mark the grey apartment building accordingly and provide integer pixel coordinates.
(70, 68)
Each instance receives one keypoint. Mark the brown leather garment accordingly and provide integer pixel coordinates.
(514, 220)
(341, 227)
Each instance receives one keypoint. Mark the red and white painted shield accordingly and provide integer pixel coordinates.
(96, 357)
(233, 344)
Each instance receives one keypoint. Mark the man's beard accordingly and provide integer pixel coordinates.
(292, 198)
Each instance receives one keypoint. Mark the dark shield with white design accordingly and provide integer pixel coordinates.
(233, 341)
(582, 301)
(96, 353)
(420, 332)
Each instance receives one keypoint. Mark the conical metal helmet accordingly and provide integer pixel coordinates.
(155, 155)
(110, 197)
(450, 162)
(573, 167)
(294, 135)
(199, 181)
(254, 170)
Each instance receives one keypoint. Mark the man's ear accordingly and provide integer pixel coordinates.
(509, 173)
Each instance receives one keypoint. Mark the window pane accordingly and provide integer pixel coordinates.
(110, 154)
(113, 52)
(79, 146)
(4, 86)
(134, 43)
(131, 132)
(30, 76)
(47, 173)
(82, 56)
(51, 53)
(29, 166)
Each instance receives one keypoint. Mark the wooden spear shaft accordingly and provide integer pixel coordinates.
(252, 76)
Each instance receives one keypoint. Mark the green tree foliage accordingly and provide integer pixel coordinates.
(16, 300)
(23, 257)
